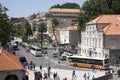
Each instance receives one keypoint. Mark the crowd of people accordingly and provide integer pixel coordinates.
(47, 74)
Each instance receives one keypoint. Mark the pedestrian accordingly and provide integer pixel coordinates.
(45, 75)
(34, 66)
(112, 70)
(100, 68)
(88, 76)
(31, 65)
(54, 76)
(85, 76)
(73, 74)
(49, 68)
(41, 67)
(93, 78)
(93, 67)
(26, 77)
(58, 78)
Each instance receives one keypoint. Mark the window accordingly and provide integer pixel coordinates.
(113, 43)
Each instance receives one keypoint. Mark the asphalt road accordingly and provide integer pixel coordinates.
(47, 59)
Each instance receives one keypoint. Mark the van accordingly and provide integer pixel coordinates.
(36, 51)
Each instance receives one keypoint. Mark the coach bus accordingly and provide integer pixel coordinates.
(36, 51)
(87, 62)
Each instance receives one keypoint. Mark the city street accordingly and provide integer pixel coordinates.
(46, 60)
(63, 69)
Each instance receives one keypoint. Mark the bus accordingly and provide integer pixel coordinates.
(87, 62)
(36, 51)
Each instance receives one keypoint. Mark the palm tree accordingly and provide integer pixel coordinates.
(42, 28)
(28, 29)
(54, 25)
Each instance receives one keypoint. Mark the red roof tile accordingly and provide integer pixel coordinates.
(64, 10)
(112, 21)
(9, 61)
(70, 28)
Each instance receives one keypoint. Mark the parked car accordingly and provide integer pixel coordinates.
(22, 59)
(55, 54)
(62, 57)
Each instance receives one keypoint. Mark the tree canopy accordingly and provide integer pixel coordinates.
(6, 29)
(94, 8)
(67, 5)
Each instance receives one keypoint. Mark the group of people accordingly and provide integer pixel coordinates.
(86, 76)
(47, 74)
(31, 66)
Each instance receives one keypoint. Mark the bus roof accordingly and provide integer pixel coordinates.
(97, 58)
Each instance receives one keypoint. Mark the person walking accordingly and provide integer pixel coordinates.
(31, 65)
(54, 76)
(85, 76)
(40, 67)
(100, 67)
(73, 75)
(34, 66)
(88, 76)
(49, 68)
(93, 78)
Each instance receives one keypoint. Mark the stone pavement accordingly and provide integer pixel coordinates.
(67, 73)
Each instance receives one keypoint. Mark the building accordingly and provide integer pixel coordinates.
(65, 17)
(101, 35)
(69, 35)
(10, 67)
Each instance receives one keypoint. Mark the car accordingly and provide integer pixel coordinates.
(55, 54)
(22, 59)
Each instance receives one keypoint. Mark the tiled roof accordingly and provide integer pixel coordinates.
(112, 21)
(9, 61)
(64, 10)
(70, 28)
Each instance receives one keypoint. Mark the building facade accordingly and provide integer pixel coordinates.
(100, 36)
(65, 17)
(69, 35)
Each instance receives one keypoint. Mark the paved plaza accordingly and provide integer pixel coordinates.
(67, 73)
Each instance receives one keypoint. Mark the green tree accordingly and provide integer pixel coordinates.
(6, 29)
(28, 29)
(54, 25)
(23, 34)
(67, 5)
(82, 19)
(42, 28)
(94, 8)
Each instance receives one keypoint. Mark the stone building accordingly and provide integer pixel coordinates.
(101, 35)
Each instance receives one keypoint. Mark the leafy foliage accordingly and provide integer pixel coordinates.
(54, 25)
(93, 8)
(67, 5)
(42, 28)
(6, 30)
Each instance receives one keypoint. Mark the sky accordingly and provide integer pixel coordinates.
(24, 8)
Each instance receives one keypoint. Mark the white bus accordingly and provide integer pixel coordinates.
(87, 62)
(36, 51)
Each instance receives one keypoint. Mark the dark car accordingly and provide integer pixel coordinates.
(22, 60)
